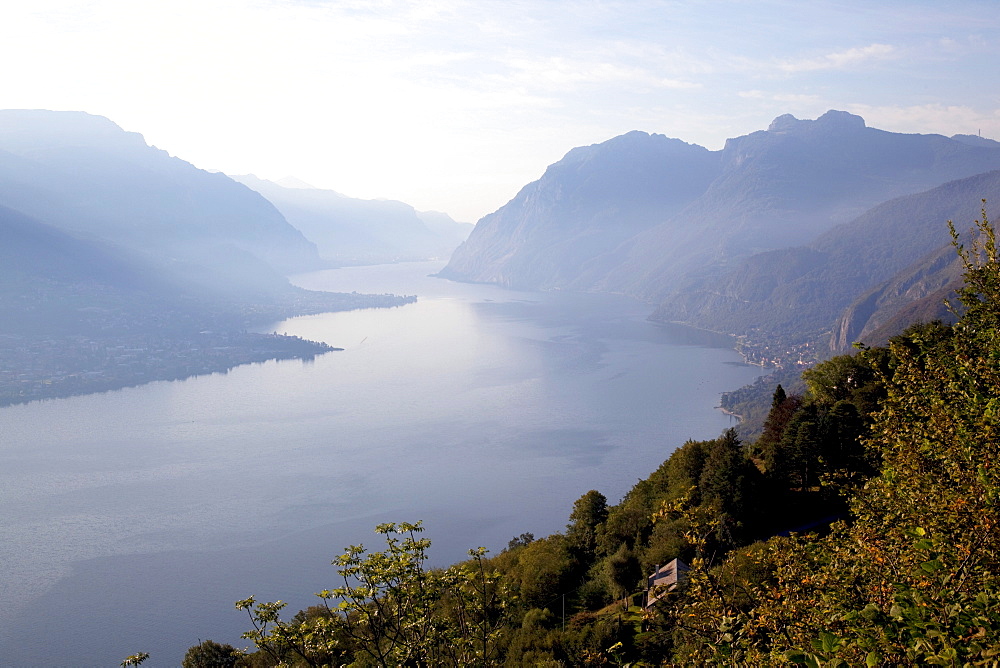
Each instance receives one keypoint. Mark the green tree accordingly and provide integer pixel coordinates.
(858, 379)
(685, 468)
(730, 483)
(914, 579)
(841, 450)
(540, 573)
(590, 512)
(210, 654)
(520, 541)
(783, 408)
(622, 572)
(630, 522)
(393, 611)
(794, 462)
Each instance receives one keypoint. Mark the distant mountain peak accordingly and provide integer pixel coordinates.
(843, 119)
(783, 123)
(655, 217)
(831, 119)
(84, 174)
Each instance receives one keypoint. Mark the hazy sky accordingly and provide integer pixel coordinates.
(454, 106)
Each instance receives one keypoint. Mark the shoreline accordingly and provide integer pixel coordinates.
(739, 418)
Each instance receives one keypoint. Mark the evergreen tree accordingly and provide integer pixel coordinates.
(783, 408)
(729, 482)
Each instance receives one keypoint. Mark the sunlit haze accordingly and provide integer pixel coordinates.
(453, 106)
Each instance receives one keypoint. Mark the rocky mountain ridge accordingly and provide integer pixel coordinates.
(566, 226)
(733, 240)
(84, 174)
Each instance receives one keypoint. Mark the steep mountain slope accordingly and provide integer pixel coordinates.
(797, 293)
(783, 186)
(31, 251)
(585, 205)
(446, 227)
(57, 283)
(919, 293)
(134, 266)
(352, 231)
(54, 284)
(85, 174)
(633, 217)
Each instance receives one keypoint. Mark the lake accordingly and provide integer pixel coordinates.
(134, 519)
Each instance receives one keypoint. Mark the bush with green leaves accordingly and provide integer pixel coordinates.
(392, 610)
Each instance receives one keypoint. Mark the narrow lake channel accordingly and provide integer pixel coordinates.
(134, 519)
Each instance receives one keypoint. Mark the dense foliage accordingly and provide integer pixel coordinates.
(913, 576)
(859, 528)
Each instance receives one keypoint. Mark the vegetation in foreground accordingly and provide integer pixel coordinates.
(859, 528)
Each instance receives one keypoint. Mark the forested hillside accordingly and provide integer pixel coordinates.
(860, 528)
(796, 294)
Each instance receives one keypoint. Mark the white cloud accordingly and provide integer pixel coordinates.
(792, 98)
(571, 73)
(454, 98)
(839, 60)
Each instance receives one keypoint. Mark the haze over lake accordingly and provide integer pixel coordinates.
(135, 518)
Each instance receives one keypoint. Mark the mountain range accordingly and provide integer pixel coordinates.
(801, 290)
(120, 264)
(772, 237)
(192, 229)
(812, 233)
(348, 230)
(85, 175)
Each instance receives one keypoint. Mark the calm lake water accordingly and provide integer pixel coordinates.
(134, 519)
